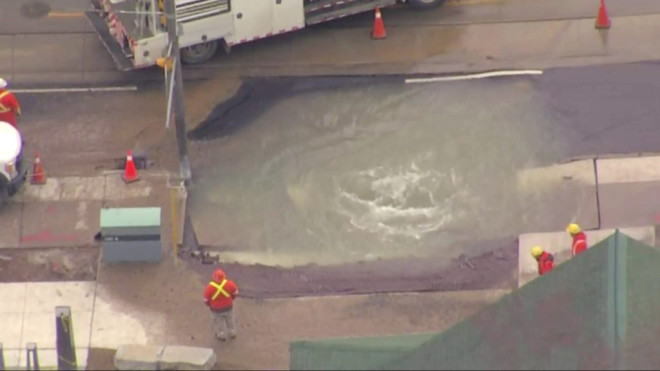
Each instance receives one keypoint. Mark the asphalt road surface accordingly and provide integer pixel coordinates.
(307, 171)
(39, 16)
(53, 40)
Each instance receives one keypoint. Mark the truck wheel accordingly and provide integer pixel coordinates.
(425, 4)
(199, 53)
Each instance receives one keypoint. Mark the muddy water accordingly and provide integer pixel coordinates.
(376, 171)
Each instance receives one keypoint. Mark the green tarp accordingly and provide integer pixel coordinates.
(596, 311)
(352, 353)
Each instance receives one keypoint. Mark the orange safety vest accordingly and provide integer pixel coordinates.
(220, 289)
(3, 108)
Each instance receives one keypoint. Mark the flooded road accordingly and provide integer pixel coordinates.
(370, 171)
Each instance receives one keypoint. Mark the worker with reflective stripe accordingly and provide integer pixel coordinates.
(9, 107)
(545, 260)
(219, 296)
(579, 239)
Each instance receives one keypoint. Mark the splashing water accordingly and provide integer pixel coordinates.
(407, 202)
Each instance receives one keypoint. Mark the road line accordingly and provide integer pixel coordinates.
(77, 90)
(66, 15)
(474, 76)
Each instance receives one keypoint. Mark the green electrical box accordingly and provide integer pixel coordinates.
(131, 234)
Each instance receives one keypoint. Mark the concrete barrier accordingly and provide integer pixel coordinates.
(138, 357)
(187, 358)
(157, 357)
(559, 244)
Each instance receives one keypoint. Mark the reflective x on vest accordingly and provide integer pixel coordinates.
(220, 289)
(3, 109)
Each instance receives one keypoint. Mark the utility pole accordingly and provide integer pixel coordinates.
(179, 109)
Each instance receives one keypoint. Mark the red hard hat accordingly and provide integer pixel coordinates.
(218, 275)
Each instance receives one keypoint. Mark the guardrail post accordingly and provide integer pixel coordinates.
(33, 361)
(2, 358)
(66, 347)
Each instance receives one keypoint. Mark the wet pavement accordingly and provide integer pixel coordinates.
(58, 48)
(302, 173)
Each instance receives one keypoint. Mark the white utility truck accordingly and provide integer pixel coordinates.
(12, 169)
(134, 31)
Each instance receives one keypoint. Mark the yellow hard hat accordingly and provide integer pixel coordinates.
(537, 251)
(573, 228)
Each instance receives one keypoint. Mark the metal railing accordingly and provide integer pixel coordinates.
(66, 349)
(32, 359)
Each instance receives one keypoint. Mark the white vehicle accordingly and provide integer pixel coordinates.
(12, 169)
(134, 31)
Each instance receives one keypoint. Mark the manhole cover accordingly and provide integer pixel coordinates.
(35, 9)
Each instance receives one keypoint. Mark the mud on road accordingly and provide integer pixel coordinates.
(51, 264)
(496, 269)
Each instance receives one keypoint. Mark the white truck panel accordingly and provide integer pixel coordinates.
(213, 28)
(252, 19)
(288, 15)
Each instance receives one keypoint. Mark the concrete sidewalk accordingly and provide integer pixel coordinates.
(27, 314)
(100, 320)
(65, 211)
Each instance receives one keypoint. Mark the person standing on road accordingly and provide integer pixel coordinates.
(219, 297)
(545, 260)
(9, 107)
(579, 239)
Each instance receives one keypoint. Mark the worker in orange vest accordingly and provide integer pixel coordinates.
(9, 107)
(219, 297)
(545, 260)
(579, 239)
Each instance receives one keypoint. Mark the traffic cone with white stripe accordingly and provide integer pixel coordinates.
(38, 173)
(379, 27)
(130, 172)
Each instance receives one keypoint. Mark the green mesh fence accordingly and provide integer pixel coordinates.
(352, 353)
(596, 311)
(641, 297)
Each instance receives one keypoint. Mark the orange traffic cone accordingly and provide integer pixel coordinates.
(38, 173)
(130, 172)
(379, 27)
(603, 20)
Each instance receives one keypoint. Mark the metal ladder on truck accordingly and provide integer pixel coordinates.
(318, 11)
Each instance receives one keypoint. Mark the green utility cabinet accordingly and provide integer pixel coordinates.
(131, 235)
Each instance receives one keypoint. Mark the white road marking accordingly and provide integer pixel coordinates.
(77, 90)
(473, 76)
